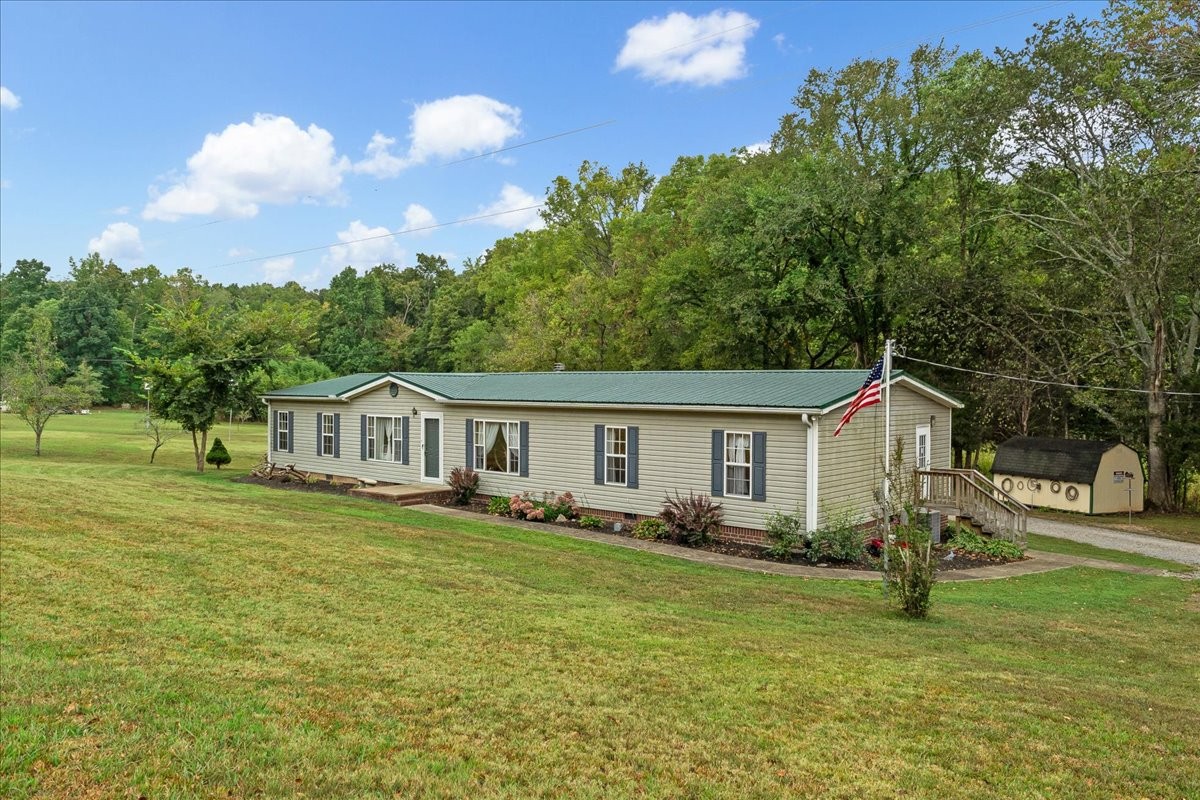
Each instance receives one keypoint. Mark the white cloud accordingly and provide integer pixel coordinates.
(240, 252)
(678, 48)
(448, 128)
(780, 41)
(278, 270)
(379, 248)
(270, 160)
(461, 125)
(5, 183)
(758, 147)
(119, 240)
(513, 198)
(121, 211)
(416, 217)
(380, 162)
(8, 99)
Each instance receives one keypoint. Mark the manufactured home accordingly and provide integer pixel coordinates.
(758, 441)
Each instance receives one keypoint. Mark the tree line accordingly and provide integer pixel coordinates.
(1032, 213)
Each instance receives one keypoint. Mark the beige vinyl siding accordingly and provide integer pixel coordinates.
(674, 451)
(851, 466)
(376, 402)
(674, 454)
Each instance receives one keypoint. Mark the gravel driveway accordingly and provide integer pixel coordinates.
(1184, 552)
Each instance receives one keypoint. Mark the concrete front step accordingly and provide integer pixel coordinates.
(405, 494)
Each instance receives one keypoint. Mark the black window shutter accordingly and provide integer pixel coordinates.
(631, 465)
(337, 435)
(404, 440)
(320, 432)
(758, 467)
(598, 455)
(274, 431)
(291, 430)
(718, 463)
(471, 443)
(524, 449)
(362, 437)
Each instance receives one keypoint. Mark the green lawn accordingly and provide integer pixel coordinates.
(169, 635)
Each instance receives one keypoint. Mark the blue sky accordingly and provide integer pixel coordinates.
(222, 137)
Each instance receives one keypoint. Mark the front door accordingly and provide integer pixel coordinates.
(431, 448)
(923, 460)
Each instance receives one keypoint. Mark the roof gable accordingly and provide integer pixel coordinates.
(1071, 460)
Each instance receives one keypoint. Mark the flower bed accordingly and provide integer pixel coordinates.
(947, 557)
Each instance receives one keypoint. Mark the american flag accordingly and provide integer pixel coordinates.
(868, 395)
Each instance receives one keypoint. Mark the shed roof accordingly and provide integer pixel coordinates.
(779, 389)
(1070, 460)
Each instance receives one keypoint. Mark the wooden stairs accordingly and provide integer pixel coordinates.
(972, 499)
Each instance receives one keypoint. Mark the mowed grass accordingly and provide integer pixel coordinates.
(169, 635)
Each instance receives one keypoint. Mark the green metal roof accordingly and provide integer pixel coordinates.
(334, 387)
(798, 389)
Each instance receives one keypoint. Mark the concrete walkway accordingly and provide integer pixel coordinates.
(1037, 561)
(1183, 552)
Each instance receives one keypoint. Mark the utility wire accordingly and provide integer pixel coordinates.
(527, 144)
(1076, 386)
(377, 236)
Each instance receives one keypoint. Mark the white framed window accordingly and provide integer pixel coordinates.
(281, 431)
(737, 464)
(385, 438)
(327, 434)
(616, 455)
(497, 446)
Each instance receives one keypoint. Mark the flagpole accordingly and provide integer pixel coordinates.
(887, 448)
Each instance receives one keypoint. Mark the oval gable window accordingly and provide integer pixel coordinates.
(393, 390)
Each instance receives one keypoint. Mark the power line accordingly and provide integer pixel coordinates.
(373, 238)
(527, 144)
(1076, 386)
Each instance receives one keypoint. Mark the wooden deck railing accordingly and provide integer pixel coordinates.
(965, 492)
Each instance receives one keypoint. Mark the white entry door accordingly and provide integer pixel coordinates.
(923, 460)
(431, 447)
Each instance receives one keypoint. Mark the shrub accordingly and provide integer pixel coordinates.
(968, 541)
(218, 455)
(910, 570)
(464, 483)
(840, 540)
(589, 521)
(550, 507)
(693, 520)
(498, 506)
(653, 529)
(785, 532)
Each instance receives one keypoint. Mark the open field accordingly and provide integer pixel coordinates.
(170, 634)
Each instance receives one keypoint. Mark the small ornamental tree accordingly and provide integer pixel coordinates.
(218, 455)
(31, 382)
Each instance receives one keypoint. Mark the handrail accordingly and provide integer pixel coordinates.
(974, 473)
(972, 492)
